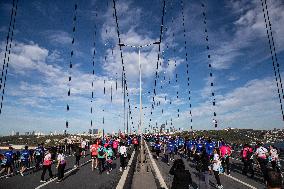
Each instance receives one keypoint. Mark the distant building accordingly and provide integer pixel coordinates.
(162, 128)
(95, 131)
(17, 133)
(27, 133)
(90, 131)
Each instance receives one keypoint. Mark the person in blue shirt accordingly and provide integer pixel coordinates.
(38, 156)
(180, 144)
(209, 148)
(157, 148)
(199, 146)
(9, 156)
(25, 159)
(171, 148)
(189, 148)
(176, 145)
(129, 141)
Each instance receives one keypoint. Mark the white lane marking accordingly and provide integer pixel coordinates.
(156, 169)
(122, 180)
(68, 172)
(244, 183)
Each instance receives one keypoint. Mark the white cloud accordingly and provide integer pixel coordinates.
(58, 37)
(249, 28)
(255, 101)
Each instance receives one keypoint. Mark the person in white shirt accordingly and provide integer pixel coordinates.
(123, 155)
(47, 162)
(216, 167)
(83, 146)
(262, 153)
(61, 163)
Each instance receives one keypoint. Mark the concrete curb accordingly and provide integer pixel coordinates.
(156, 169)
(122, 180)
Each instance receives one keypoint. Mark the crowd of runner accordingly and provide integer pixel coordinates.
(213, 157)
(102, 151)
(210, 157)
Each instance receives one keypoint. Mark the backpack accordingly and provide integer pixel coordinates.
(101, 152)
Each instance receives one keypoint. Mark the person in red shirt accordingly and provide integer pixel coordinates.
(46, 166)
(115, 144)
(94, 154)
(225, 153)
(247, 158)
(135, 142)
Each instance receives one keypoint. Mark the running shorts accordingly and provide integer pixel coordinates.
(94, 156)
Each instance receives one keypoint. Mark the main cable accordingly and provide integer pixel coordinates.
(8, 48)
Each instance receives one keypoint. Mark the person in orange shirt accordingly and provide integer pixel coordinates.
(94, 154)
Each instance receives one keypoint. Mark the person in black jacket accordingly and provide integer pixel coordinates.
(77, 153)
(182, 178)
(205, 166)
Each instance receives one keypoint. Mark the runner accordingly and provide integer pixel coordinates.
(115, 147)
(262, 154)
(9, 161)
(94, 154)
(157, 149)
(182, 178)
(25, 159)
(225, 152)
(209, 148)
(123, 156)
(247, 158)
(46, 166)
(189, 148)
(77, 153)
(216, 168)
(274, 157)
(61, 164)
(101, 158)
(171, 149)
(109, 157)
(205, 167)
(2, 163)
(38, 156)
(136, 143)
(274, 180)
(83, 146)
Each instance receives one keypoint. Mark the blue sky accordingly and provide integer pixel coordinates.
(244, 83)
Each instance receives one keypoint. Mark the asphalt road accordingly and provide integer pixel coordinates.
(81, 178)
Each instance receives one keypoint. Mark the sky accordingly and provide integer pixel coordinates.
(37, 82)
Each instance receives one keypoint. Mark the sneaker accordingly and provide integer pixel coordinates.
(22, 174)
(42, 180)
(220, 187)
(58, 181)
(108, 172)
(120, 169)
(125, 168)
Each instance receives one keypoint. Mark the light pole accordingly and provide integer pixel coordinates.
(140, 130)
